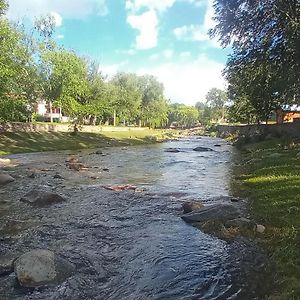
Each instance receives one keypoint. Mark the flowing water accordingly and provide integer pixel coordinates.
(129, 245)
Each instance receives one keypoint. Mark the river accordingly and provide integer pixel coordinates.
(129, 245)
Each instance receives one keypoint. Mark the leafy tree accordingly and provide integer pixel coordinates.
(216, 100)
(184, 116)
(154, 110)
(65, 77)
(265, 40)
(128, 96)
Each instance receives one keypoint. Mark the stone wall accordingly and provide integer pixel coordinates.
(48, 127)
(276, 130)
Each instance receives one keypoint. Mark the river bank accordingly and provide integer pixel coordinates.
(22, 142)
(268, 175)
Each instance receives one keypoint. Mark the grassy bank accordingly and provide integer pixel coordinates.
(23, 142)
(269, 175)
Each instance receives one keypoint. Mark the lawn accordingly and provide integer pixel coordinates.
(22, 142)
(269, 175)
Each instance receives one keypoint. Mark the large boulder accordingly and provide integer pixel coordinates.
(5, 178)
(202, 149)
(41, 198)
(190, 206)
(40, 268)
(217, 212)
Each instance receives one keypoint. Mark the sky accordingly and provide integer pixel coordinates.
(165, 38)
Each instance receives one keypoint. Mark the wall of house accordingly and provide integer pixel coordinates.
(276, 130)
(48, 127)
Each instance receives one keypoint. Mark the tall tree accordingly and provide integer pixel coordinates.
(265, 39)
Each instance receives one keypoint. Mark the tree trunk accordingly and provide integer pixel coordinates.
(50, 108)
(115, 116)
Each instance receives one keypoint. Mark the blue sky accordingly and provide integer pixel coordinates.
(166, 38)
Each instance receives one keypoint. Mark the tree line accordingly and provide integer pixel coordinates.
(34, 67)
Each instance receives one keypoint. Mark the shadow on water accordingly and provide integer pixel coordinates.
(129, 245)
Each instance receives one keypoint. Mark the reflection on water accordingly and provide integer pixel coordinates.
(128, 245)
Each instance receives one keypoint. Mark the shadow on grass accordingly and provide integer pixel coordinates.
(23, 142)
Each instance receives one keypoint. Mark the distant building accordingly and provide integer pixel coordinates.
(288, 113)
(47, 111)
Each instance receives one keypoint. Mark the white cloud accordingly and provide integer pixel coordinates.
(185, 54)
(159, 5)
(168, 53)
(188, 82)
(65, 8)
(57, 18)
(146, 24)
(199, 32)
(60, 36)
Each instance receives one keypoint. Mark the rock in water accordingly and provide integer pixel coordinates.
(172, 150)
(202, 149)
(260, 228)
(6, 265)
(190, 206)
(218, 212)
(5, 178)
(39, 268)
(41, 198)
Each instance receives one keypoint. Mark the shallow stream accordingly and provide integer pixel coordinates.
(129, 245)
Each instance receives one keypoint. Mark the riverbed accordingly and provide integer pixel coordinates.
(131, 244)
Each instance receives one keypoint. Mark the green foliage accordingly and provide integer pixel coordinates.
(265, 62)
(184, 116)
(13, 109)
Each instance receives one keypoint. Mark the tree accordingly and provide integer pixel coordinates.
(65, 77)
(216, 99)
(128, 97)
(184, 116)
(265, 40)
(153, 111)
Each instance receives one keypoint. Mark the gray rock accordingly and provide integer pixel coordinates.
(202, 149)
(58, 176)
(241, 223)
(98, 152)
(172, 150)
(40, 268)
(260, 228)
(41, 198)
(190, 206)
(217, 212)
(5, 178)
(6, 264)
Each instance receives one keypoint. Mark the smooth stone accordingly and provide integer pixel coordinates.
(260, 228)
(190, 206)
(217, 212)
(202, 149)
(41, 198)
(41, 268)
(241, 223)
(172, 150)
(5, 178)
(6, 264)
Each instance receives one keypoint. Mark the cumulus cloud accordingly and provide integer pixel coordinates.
(159, 5)
(65, 8)
(188, 81)
(146, 24)
(199, 32)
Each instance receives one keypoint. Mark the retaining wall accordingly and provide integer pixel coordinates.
(48, 127)
(276, 130)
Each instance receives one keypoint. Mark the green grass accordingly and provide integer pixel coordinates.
(272, 183)
(23, 142)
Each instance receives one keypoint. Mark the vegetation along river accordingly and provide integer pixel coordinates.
(129, 244)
